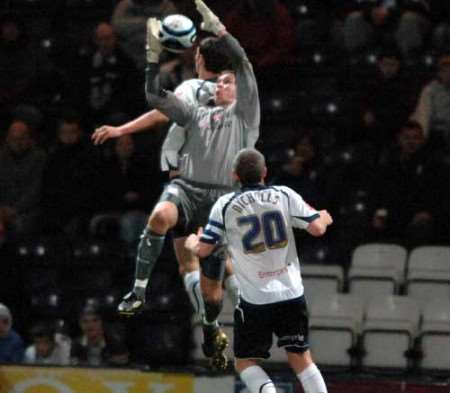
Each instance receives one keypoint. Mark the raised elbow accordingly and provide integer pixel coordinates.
(317, 229)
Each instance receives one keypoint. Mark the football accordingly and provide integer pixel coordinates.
(177, 33)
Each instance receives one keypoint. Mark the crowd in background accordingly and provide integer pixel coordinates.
(356, 118)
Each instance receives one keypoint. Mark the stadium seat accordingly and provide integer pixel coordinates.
(322, 280)
(161, 344)
(92, 272)
(389, 332)
(166, 296)
(435, 335)
(105, 226)
(42, 263)
(106, 303)
(429, 273)
(377, 269)
(47, 306)
(335, 324)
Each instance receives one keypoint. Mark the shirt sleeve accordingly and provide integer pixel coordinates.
(247, 97)
(215, 228)
(174, 108)
(186, 92)
(300, 212)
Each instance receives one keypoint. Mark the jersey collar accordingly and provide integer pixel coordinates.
(255, 186)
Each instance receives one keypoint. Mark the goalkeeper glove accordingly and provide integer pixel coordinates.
(210, 22)
(153, 47)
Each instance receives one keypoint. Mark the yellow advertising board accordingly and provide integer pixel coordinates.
(15, 379)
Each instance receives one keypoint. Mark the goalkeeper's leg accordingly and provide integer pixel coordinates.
(163, 217)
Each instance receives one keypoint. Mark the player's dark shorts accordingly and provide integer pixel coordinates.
(255, 324)
(194, 202)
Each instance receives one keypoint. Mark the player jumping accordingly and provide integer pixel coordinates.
(209, 62)
(213, 137)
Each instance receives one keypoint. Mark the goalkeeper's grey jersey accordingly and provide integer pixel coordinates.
(213, 135)
(195, 91)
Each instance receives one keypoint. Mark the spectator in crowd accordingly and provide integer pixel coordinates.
(387, 99)
(11, 344)
(433, 107)
(21, 168)
(96, 346)
(381, 22)
(130, 178)
(21, 64)
(404, 208)
(130, 21)
(72, 179)
(107, 80)
(265, 30)
(48, 347)
(414, 27)
(440, 11)
(300, 172)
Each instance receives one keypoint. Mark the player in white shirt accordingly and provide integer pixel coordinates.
(256, 225)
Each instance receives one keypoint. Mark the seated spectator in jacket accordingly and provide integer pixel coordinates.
(48, 346)
(11, 344)
(131, 187)
(301, 172)
(387, 85)
(21, 63)
(21, 169)
(72, 179)
(97, 346)
(433, 107)
(106, 79)
(405, 201)
(378, 22)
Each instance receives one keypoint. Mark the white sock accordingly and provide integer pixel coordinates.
(233, 289)
(192, 285)
(257, 381)
(312, 380)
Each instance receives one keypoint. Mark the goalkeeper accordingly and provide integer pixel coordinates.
(209, 62)
(214, 136)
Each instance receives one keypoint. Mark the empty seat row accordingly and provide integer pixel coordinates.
(379, 269)
(389, 332)
(385, 268)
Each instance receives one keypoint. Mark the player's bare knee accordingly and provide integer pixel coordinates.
(159, 221)
(299, 361)
(241, 364)
(228, 268)
(213, 295)
(190, 264)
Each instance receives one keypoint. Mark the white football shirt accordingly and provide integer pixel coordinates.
(256, 225)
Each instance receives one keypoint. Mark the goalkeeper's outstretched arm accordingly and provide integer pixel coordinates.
(147, 121)
(247, 98)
